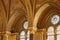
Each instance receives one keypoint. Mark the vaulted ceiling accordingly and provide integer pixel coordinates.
(11, 8)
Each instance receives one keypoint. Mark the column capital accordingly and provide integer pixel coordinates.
(32, 30)
(5, 32)
(14, 33)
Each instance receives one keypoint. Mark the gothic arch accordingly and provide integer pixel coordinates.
(3, 17)
(41, 10)
(15, 16)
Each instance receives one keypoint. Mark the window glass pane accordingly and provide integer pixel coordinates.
(50, 38)
(28, 38)
(58, 37)
(25, 25)
(58, 29)
(58, 32)
(22, 35)
(50, 31)
(22, 39)
(28, 34)
(55, 19)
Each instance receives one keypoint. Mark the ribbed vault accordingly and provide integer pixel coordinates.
(14, 11)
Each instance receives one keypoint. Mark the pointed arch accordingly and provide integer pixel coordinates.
(14, 17)
(40, 12)
(3, 17)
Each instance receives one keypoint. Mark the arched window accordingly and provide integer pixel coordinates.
(22, 35)
(25, 24)
(55, 19)
(50, 33)
(58, 32)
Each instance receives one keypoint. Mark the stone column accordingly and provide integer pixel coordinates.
(32, 33)
(13, 36)
(30, 14)
(1, 36)
(44, 34)
(4, 35)
(31, 36)
(38, 35)
(55, 31)
(17, 36)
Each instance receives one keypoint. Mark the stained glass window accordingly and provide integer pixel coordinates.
(55, 19)
(58, 32)
(22, 35)
(50, 33)
(25, 25)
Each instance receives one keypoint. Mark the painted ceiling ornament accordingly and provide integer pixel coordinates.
(55, 19)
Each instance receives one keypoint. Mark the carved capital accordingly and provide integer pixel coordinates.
(32, 30)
